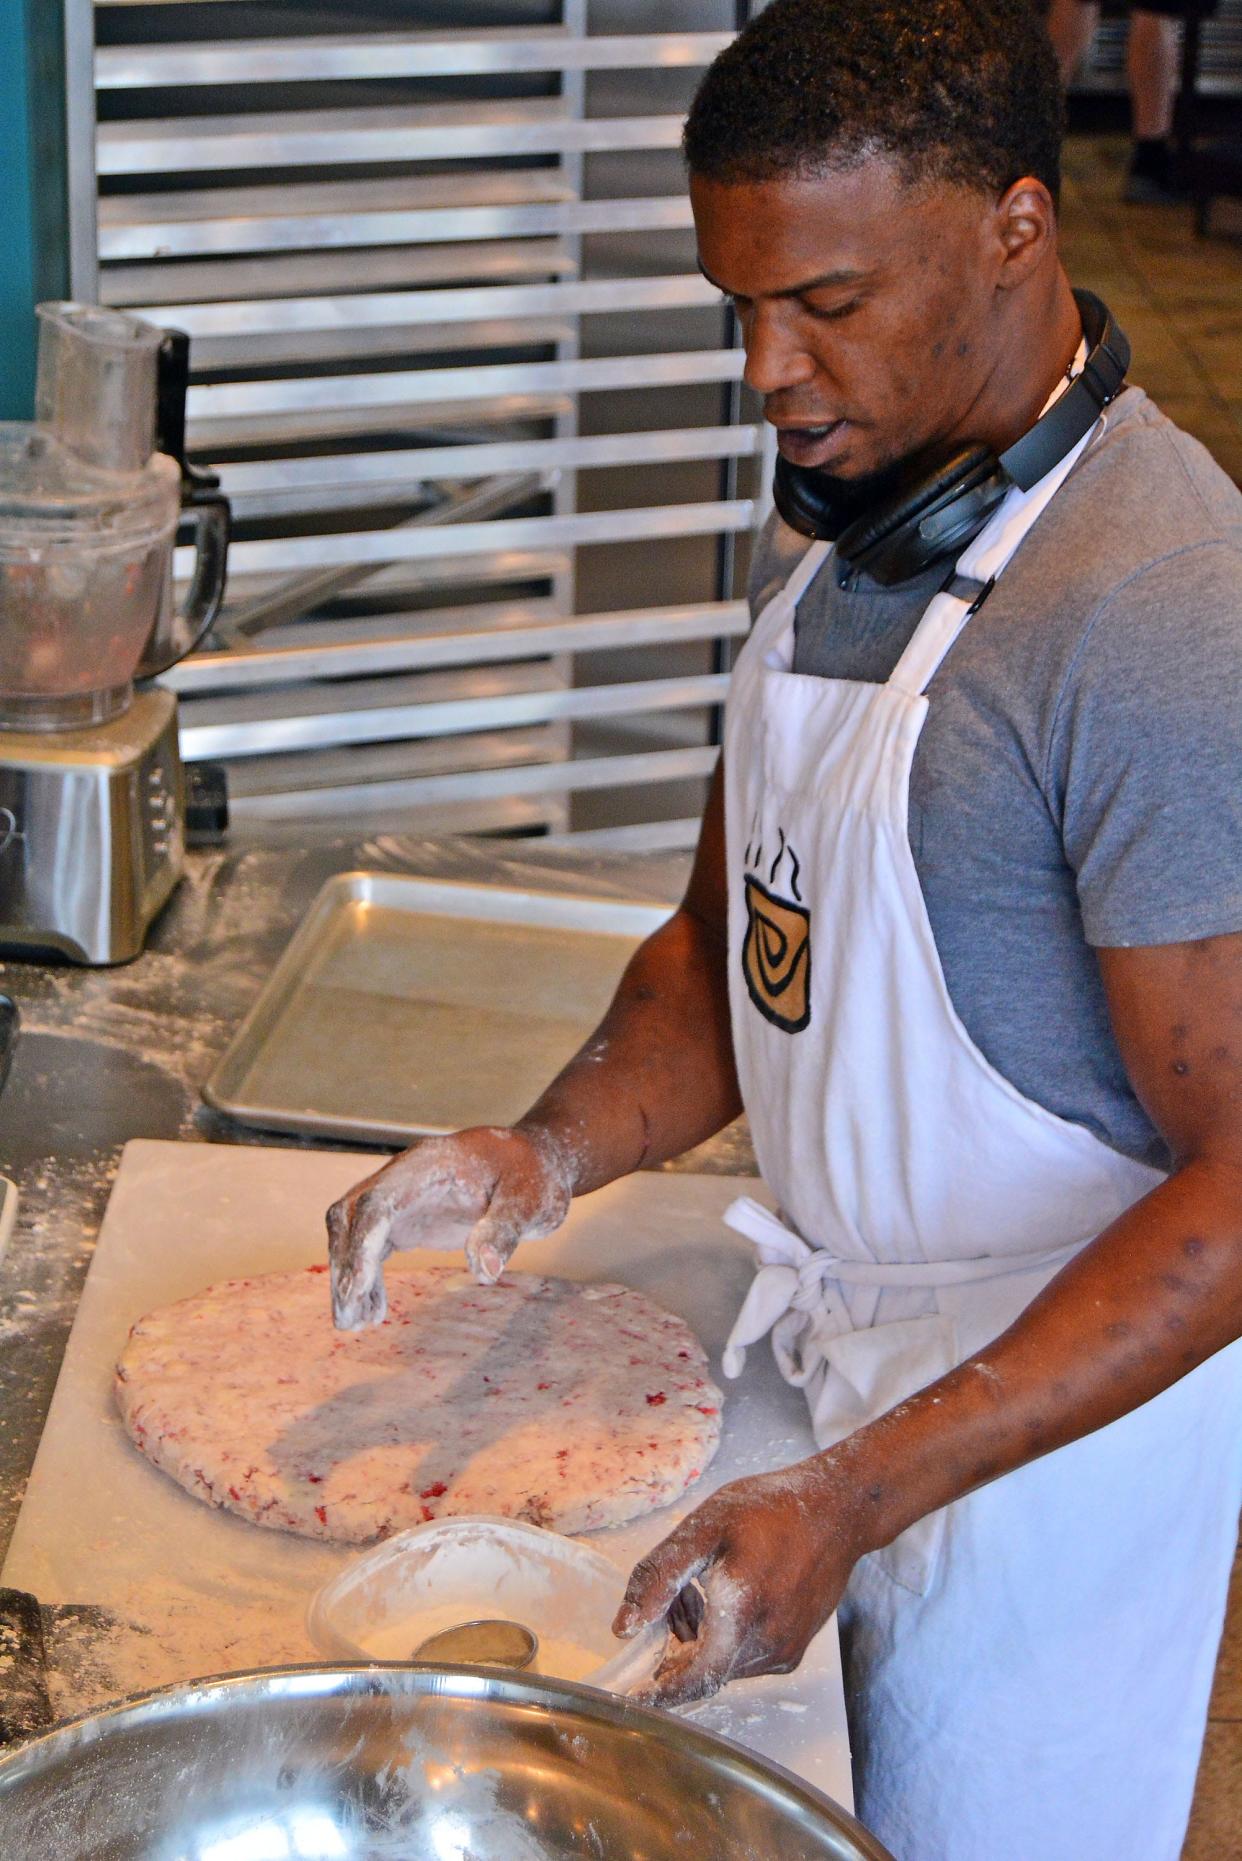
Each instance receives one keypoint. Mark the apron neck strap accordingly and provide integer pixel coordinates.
(808, 568)
(945, 616)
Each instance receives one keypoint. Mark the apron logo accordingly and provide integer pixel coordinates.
(776, 952)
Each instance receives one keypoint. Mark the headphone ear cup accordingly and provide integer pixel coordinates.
(926, 518)
(802, 500)
(923, 517)
(910, 500)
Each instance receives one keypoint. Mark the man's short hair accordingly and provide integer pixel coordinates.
(963, 91)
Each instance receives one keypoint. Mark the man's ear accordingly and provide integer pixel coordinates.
(1025, 227)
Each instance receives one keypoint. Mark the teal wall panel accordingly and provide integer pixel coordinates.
(34, 230)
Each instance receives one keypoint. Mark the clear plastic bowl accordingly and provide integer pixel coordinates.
(386, 1603)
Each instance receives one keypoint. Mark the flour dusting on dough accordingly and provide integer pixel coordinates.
(572, 1406)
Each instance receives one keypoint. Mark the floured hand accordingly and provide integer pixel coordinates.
(770, 1557)
(484, 1189)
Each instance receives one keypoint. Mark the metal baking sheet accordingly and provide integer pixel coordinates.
(404, 1006)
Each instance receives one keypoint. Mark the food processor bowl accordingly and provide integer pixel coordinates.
(85, 570)
(90, 500)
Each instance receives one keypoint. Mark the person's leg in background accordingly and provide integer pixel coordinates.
(1071, 27)
(1151, 74)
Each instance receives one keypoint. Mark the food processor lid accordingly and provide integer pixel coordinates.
(49, 495)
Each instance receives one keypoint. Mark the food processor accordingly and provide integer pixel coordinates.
(92, 834)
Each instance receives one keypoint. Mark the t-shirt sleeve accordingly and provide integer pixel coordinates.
(1145, 755)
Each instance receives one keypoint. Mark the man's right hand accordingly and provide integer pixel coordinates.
(656, 1078)
(485, 1190)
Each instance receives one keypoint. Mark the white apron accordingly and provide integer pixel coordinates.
(1030, 1667)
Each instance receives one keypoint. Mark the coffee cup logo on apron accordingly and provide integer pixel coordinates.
(776, 952)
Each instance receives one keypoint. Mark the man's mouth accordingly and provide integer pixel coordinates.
(812, 445)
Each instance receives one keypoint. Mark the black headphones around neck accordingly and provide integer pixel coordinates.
(935, 512)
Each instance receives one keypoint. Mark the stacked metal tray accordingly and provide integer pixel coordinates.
(406, 1005)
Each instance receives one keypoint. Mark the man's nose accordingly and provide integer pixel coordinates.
(775, 359)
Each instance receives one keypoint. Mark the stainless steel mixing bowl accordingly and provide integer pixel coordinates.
(404, 1764)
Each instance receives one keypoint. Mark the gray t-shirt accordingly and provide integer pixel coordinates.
(1078, 781)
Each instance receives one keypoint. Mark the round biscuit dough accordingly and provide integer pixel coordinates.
(574, 1406)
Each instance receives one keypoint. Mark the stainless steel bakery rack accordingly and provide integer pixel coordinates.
(478, 413)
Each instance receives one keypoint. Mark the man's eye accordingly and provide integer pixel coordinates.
(835, 314)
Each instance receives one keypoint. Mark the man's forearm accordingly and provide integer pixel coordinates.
(657, 1076)
(1156, 1294)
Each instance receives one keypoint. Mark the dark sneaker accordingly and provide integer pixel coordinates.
(1152, 180)
(1146, 190)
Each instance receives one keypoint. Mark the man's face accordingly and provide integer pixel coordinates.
(864, 304)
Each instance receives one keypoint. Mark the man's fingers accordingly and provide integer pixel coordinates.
(657, 1580)
(765, 1662)
(694, 1670)
(354, 1307)
(495, 1235)
(338, 1219)
(488, 1247)
(685, 1612)
(358, 1244)
(684, 1677)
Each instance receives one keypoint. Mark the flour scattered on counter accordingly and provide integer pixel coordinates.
(165, 1021)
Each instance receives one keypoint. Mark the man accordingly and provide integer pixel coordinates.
(963, 935)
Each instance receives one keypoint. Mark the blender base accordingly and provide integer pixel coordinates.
(92, 834)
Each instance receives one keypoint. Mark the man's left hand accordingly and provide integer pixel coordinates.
(771, 1556)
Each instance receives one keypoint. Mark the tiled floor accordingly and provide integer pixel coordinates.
(1179, 299)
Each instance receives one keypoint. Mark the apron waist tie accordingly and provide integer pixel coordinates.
(854, 1374)
(796, 1291)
